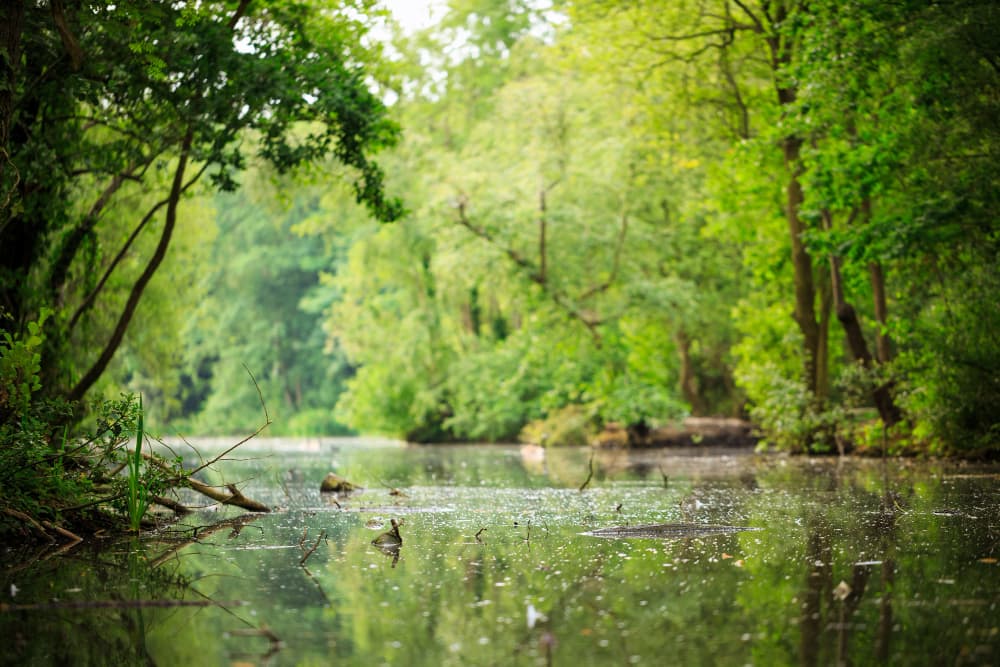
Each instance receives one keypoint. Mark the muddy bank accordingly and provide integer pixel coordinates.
(692, 432)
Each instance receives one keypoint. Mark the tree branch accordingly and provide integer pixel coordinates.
(616, 259)
(69, 41)
(88, 302)
(95, 371)
(238, 14)
(758, 25)
(534, 275)
(72, 241)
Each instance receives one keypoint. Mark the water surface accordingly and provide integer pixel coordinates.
(852, 562)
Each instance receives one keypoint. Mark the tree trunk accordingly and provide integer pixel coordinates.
(823, 347)
(688, 380)
(11, 25)
(883, 344)
(848, 318)
(805, 290)
(542, 240)
(16, 241)
(176, 189)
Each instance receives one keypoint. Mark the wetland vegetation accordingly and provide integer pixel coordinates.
(540, 221)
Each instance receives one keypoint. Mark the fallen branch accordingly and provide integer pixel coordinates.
(32, 523)
(172, 505)
(114, 604)
(233, 498)
(69, 535)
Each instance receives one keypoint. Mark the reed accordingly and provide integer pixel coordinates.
(137, 500)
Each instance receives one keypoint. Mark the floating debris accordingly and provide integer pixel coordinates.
(390, 542)
(842, 591)
(334, 483)
(665, 531)
(391, 539)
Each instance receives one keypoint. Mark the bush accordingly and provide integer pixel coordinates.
(570, 425)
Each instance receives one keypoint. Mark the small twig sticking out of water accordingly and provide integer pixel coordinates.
(284, 486)
(478, 533)
(590, 472)
(666, 480)
(307, 554)
(527, 535)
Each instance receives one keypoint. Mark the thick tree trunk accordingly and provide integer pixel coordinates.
(883, 345)
(11, 25)
(805, 290)
(15, 241)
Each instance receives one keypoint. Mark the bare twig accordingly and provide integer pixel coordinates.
(307, 554)
(535, 274)
(590, 472)
(666, 479)
(267, 422)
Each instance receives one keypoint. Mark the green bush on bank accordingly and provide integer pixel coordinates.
(49, 475)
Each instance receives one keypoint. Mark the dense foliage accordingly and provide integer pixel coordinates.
(781, 209)
(615, 212)
(111, 116)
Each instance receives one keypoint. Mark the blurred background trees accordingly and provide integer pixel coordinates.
(615, 212)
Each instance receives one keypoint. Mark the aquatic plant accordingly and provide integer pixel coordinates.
(138, 498)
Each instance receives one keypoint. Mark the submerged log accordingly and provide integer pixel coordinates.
(666, 531)
(692, 432)
(334, 483)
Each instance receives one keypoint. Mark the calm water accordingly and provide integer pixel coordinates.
(853, 562)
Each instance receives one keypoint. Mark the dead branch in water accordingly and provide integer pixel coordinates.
(113, 604)
(307, 553)
(234, 497)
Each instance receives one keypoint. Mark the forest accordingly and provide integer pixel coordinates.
(528, 217)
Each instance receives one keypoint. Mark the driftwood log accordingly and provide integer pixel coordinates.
(692, 432)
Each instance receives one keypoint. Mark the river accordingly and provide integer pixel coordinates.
(844, 561)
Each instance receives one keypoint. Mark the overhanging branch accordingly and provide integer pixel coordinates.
(95, 371)
(88, 302)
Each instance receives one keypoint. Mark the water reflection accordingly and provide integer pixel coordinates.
(852, 563)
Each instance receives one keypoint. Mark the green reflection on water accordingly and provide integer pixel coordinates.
(855, 561)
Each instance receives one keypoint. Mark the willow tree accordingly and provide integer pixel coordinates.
(102, 103)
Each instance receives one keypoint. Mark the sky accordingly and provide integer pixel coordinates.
(415, 14)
